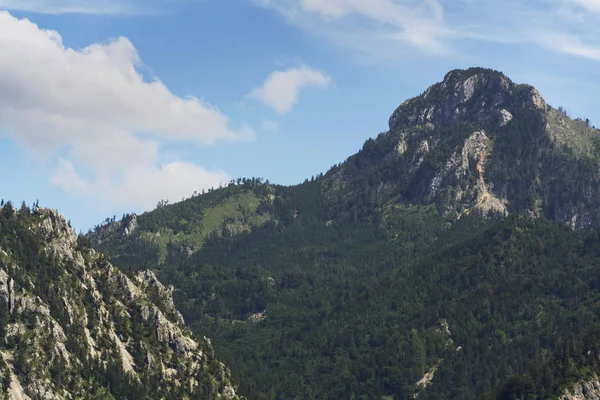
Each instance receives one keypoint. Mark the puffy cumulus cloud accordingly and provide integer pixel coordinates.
(93, 108)
(281, 89)
(91, 92)
(65, 177)
(143, 185)
(390, 28)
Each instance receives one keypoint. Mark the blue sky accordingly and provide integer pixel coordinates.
(108, 106)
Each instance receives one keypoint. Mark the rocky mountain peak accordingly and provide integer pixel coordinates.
(71, 322)
(474, 94)
(53, 224)
(479, 142)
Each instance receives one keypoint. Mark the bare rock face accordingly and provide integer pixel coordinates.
(52, 224)
(5, 289)
(90, 316)
(588, 390)
(469, 161)
(536, 100)
(474, 143)
(470, 95)
(129, 225)
(454, 99)
(53, 227)
(479, 98)
(505, 117)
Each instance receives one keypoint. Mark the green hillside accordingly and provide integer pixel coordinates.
(453, 257)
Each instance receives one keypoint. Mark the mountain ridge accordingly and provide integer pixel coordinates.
(473, 108)
(478, 207)
(475, 121)
(73, 325)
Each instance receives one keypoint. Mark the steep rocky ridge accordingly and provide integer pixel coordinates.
(586, 390)
(478, 142)
(475, 95)
(72, 324)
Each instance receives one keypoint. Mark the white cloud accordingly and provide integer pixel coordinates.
(590, 5)
(569, 44)
(281, 89)
(363, 23)
(68, 6)
(419, 23)
(65, 177)
(93, 108)
(143, 185)
(98, 7)
(268, 125)
(568, 27)
(392, 28)
(171, 181)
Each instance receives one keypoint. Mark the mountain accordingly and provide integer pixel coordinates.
(73, 326)
(474, 143)
(477, 142)
(453, 257)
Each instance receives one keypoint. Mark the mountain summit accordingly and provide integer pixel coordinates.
(473, 95)
(478, 142)
(380, 279)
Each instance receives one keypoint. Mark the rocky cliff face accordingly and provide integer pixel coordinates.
(472, 96)
(478, 142)
(588, 390)
(73, 325)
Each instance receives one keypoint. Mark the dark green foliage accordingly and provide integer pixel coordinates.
(83, 243)
(517, 160)
(354, 308)
(346, 289)
(31, 265)
(306, 275)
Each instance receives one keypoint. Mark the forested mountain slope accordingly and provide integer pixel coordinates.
(453, 257)
(478, 142)
(73, 326)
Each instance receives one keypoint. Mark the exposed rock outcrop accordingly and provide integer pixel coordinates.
(588, 390)
(474, 95)
(478, 142)
(91, 316)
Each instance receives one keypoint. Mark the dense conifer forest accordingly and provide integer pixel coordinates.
(345, 309)
(453, 257)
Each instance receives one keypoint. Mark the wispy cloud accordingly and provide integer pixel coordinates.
(364, 23)
(140, 186)
(66, 6)
(590, 5)
(95, 110)
(392, 28)
(569, 44)
(281, 89)
(99, 7)
(269, 125)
